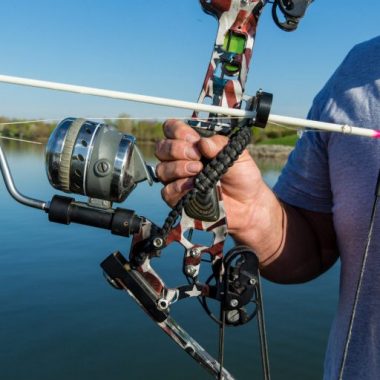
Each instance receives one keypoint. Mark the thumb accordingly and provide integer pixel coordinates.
(209, 147)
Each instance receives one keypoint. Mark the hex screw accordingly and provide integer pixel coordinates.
(190, 270)
(158, 242)
(234, 302)
(162, 304)
(195, 252)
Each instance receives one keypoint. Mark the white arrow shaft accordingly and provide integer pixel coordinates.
(323, 126)
(126, 96)
(290, 121)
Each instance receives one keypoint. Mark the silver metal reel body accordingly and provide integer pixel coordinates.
(94, 159)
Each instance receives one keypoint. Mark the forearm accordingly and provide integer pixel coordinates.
(258, 222)
(309, 247)
(293, 245)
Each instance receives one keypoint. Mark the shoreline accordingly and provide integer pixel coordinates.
(276, 152)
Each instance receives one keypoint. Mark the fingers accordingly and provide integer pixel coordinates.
(211, 146)
(184, 143)
(173, 170)
(177, 129)
(180, 153)
(174, 191)
(170, 150)
(180, 142)
(180, 160)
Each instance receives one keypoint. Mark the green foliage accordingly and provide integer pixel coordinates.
(289, 140)
(274, 135)
(147, 131)
(143, 130)
(36, 131)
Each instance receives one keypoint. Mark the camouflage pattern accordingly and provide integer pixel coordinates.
(193, 348)
(223, 87)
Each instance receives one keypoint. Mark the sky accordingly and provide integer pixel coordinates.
(162, 48)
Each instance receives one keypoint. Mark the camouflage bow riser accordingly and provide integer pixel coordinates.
(224, 84)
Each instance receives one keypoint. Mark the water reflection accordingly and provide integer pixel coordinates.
(61, 320)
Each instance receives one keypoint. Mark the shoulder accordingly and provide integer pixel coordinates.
(368, 49)
(360, 66)
(363, 60)
(352, 94)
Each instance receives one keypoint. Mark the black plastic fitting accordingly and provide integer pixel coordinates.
(119, 221)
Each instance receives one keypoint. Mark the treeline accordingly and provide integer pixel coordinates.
(19, 129)
(143, 130)
(274, 135)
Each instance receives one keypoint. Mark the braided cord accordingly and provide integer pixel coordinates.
(211, 174)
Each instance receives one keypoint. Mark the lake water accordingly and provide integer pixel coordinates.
(59, 319)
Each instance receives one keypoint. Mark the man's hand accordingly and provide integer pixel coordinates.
(244, 191)
(292, 244)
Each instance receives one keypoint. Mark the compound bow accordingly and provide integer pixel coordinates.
(95, 160)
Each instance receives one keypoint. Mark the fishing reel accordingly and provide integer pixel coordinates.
(95, 160)
(291, 10)
(91, 159)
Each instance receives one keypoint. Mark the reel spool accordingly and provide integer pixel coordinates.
(95, 160)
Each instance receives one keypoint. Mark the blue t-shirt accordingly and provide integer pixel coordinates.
(331, 172)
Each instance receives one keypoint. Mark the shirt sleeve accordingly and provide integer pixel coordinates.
(304, 181)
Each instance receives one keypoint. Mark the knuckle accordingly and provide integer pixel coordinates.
(171, 149)
(177, 185)
(179, 170)
(178, 129)
(170, 127)
(175, 150)
(220, 139)
(166, 126)
(164, 193)
(160, 149)
(168, 196)
(159, 171)
(171, 171)
(219, 142)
